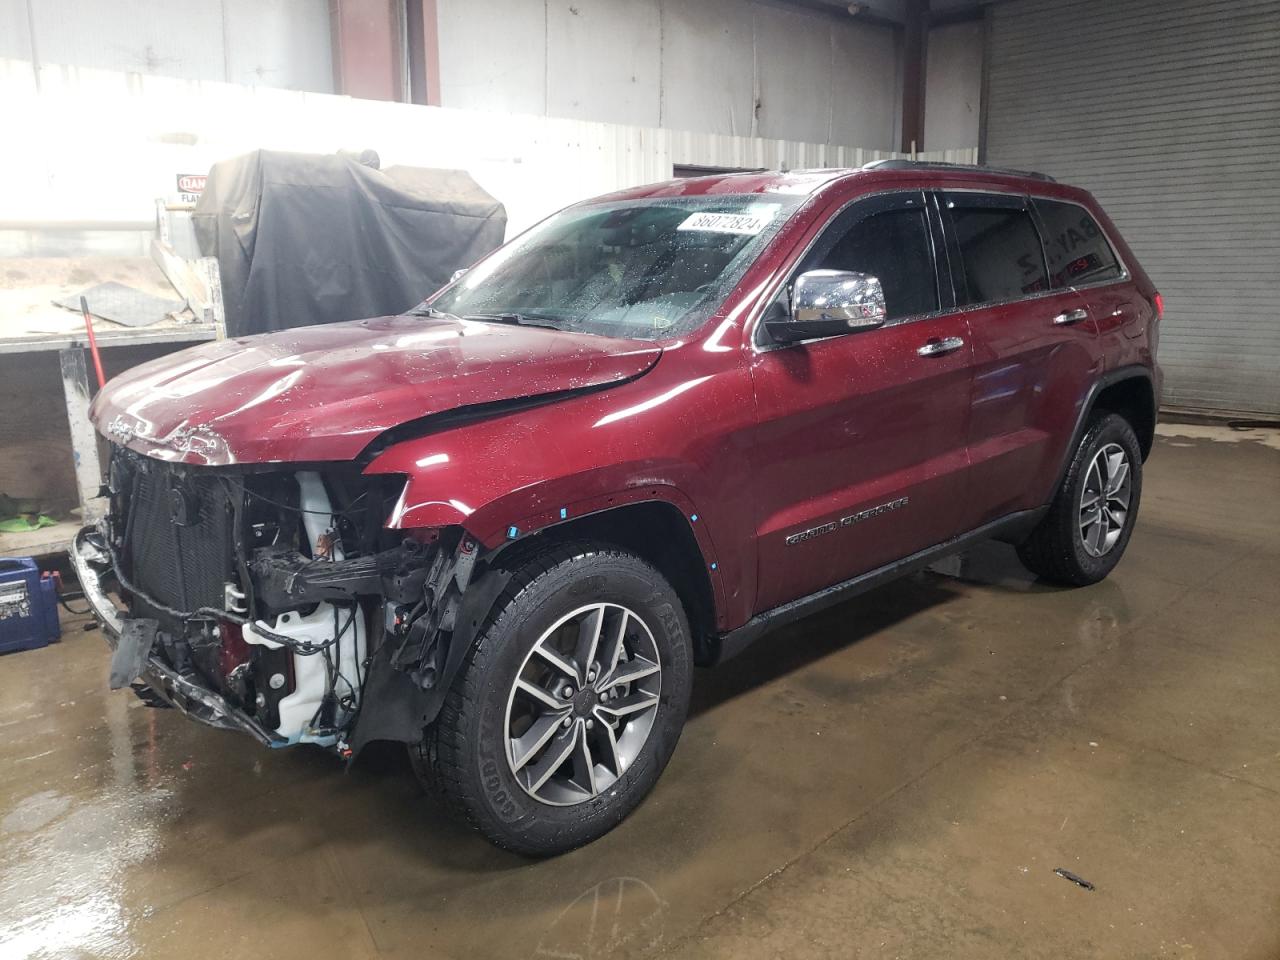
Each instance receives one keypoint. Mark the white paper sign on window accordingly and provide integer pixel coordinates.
(744, 224)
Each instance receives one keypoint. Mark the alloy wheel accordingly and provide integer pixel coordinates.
(1104, 500)
(583, 704)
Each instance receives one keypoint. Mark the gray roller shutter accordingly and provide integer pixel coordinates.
(1169, 112)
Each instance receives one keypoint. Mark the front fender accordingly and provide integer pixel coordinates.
(680, 439)
(494, 507)
(503, 505)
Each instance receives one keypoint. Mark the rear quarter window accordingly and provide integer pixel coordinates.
(1076, 247)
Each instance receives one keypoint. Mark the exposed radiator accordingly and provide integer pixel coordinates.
(181, 564)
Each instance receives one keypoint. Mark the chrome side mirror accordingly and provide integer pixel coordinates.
(826, 303)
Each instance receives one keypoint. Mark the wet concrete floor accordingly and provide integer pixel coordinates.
(898, 777)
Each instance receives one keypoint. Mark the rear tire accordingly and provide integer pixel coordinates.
(534, 689)
(1084, 534)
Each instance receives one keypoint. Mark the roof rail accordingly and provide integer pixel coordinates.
(940, 165)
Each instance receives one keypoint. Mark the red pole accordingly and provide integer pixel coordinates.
(93, 343)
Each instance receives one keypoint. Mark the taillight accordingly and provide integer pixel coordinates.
(1157, 301)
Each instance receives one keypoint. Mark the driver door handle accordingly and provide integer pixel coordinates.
(937, 348)
(1070, 317)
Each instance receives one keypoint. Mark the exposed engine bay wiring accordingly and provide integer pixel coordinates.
(350, 701)
(334, 629)
(330, 513)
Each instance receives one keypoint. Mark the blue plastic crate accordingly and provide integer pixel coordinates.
(28, 605)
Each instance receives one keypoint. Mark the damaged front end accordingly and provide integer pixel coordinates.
(275, 601)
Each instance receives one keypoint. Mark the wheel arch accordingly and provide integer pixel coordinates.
(658, 532)
(1132, 397)
(1129, 391)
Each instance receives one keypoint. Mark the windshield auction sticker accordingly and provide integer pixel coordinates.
(745, 224)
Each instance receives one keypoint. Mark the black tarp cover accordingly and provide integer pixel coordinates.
(305, 238)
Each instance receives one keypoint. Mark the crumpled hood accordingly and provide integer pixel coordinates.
(323, 393)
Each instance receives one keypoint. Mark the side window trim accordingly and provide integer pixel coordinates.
(946, 260)
(985, 198)
(994, 201)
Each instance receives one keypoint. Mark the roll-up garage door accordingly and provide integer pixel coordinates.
(1170, 113)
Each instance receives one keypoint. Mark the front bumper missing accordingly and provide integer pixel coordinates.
(91, 564)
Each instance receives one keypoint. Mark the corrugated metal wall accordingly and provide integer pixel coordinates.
(1170, 113)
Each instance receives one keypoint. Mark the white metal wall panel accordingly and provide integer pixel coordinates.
(1170, 113)
(866, 85)
(731, 67)
(793, 73)
(604, 62)
(953, 84)
(493, 55)
(270, 43)
(15, 32)
(142, 36)
(147, 129)
(278, 43)
(708, 67)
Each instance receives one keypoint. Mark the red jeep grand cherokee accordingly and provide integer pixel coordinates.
(503, 527)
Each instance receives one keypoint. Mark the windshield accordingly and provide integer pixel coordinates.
(646, 269)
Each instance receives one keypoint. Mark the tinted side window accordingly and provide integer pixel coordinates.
(1001, 253)
(896, 247)
(1078, 251)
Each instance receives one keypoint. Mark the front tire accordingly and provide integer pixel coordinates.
(569, 704)
(1084, 534)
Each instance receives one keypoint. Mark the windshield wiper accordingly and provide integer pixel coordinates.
(521, 319)
(421, 310)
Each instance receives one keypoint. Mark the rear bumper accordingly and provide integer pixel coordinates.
(209, 707)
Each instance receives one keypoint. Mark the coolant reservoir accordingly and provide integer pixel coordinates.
(298, 710)
(310, 671)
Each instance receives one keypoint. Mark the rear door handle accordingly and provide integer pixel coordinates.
(936, 348)
(1070, 317)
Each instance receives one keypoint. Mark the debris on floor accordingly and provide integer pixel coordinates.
(1078, 881)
